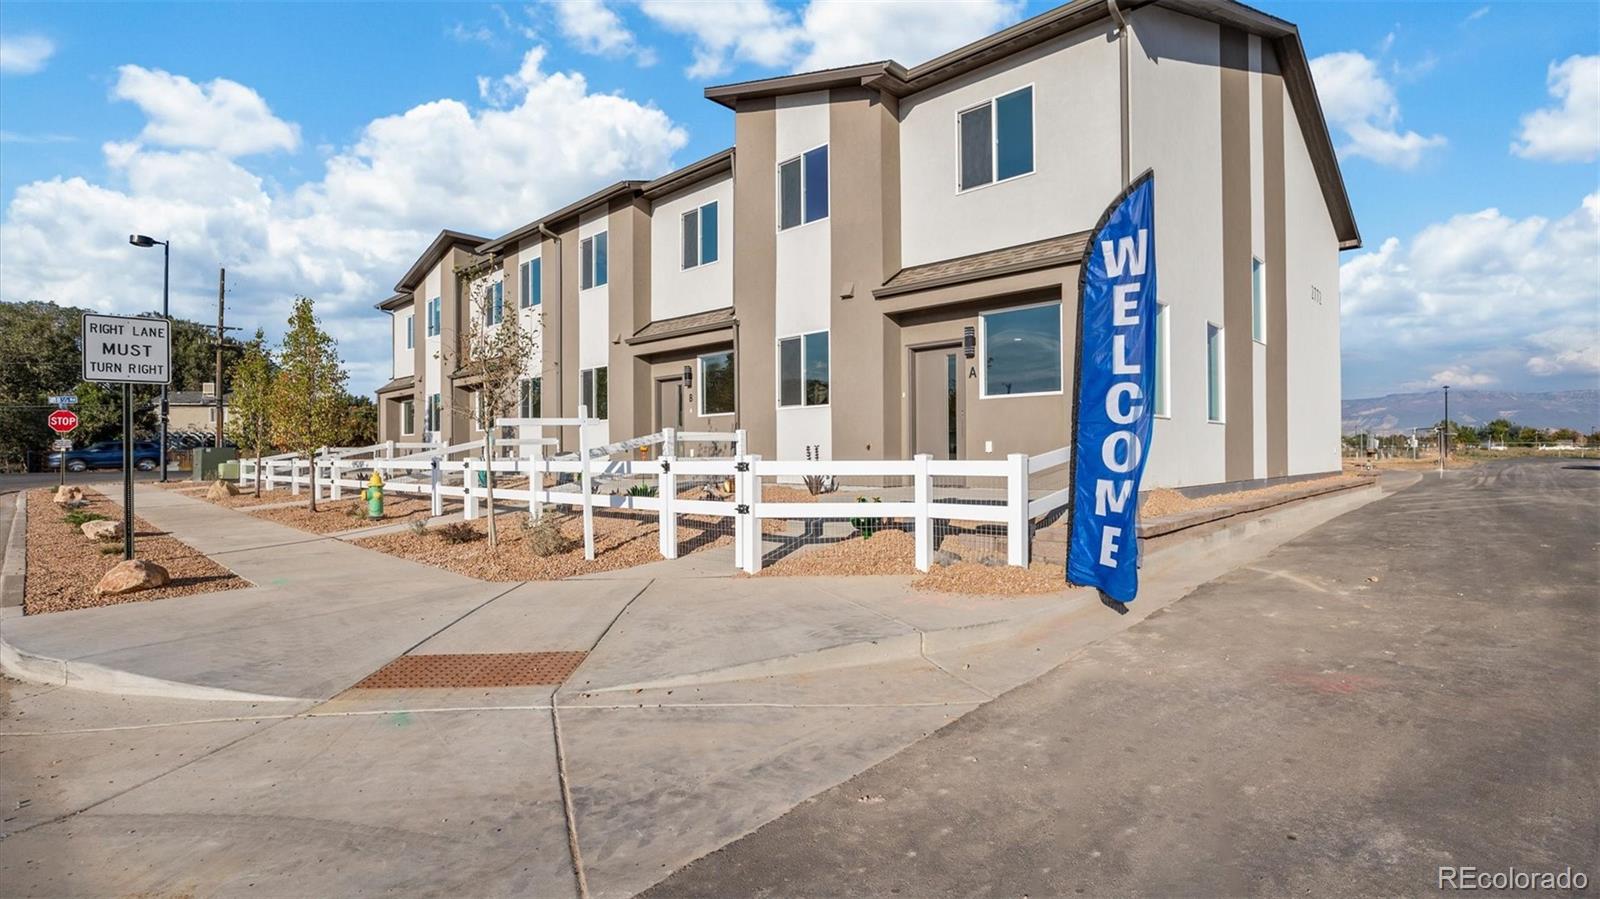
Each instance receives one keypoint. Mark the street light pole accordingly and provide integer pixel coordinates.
(1445, 436)
(140, 240)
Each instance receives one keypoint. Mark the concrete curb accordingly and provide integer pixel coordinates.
(38, 669)
(14, 571)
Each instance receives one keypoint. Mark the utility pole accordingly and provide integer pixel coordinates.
(222, 282)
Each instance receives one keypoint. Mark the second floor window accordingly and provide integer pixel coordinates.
(532, 285)
(411, 328)
(1258, 302)
(700, 236)
(594, 261)
(433, 317)
(494, 303)
(996, 139)
(803, 188)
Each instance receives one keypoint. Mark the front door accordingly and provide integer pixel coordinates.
(669, 403)
(937, 403)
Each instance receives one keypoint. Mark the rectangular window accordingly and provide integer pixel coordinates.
(1021, 350)
(433, 317)
(592, 391)
(995, 139)
(1214, 408)
(716, 383)
(408, 417)
(431, 422)
(494, 303)
(1258, 304)
(1163, 364)
(803, 188)
(411, 330)
(532, 284)
(700, 236)
(803, 370)
(594, 261)
(529, 402)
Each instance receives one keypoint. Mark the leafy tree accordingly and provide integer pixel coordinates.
(359, 424)
(1564, 434)
(1466, 434)
(308, 393)
(1500, 430)
(496, 358)
(250, 418)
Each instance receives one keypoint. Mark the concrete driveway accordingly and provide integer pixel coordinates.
(1414, 685)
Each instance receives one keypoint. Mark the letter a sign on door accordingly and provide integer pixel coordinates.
(1111, 400)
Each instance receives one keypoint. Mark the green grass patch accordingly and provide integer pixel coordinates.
(78, 517)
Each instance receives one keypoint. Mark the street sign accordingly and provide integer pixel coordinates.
(126, 350)
(61, 446)
(65, 399)
(62, 421)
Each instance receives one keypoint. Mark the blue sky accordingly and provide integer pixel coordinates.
(313, 148)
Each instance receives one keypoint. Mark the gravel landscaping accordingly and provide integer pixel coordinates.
(621, 540)
(893, 552)
(1161, 501)
(64, 565)
(333, 516)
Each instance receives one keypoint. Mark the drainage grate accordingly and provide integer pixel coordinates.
(478, 669)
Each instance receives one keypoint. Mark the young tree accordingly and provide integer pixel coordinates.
(250, 418)
(498, 349)
(308, 393)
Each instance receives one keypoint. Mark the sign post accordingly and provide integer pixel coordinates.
(127, 350)
(63, 421)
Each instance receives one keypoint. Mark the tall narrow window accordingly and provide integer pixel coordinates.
(494, 303)
(433, 317)
(592, 391)
(1213, 372)
(529, 401)
(411, 330)
(532, 284)
(1258, 303)
(431, 421)
(716, 383)
(408, 417)
(996, 139)
(803, 370)
(593, 251)
(700, 236)
(803, 188)
(1163, 364)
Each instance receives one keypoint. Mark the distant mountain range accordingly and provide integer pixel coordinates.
(1397, 412)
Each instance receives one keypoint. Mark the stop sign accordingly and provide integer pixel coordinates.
(62, 420)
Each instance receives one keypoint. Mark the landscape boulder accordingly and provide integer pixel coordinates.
(67, 494)
(221, 490)
(102, 530)
(130, 576)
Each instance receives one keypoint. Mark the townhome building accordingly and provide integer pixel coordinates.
(886, 262)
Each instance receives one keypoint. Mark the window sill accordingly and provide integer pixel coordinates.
(963, 191)
(793, 228)
(1018, 396)
(791, 408)
(1216, 421)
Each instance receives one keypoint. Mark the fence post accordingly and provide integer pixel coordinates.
(536, 485)
(294, 476)
(739, 446)
(922, 494)
(752, 527)
(335, 491)
(1017, 522)
(388, 449)
(469, 485)
(583, 482)
(666, 492)
(434, 477)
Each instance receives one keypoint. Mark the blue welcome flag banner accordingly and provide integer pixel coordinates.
(1113, 390)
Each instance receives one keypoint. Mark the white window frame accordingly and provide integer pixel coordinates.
(522, 396)
(435, 311)
(1163, 372)
(778, 187)
(801, 336)
(700, 385)
(589, 401)
(494, 291)
(1258, 300)
(411, 330)
(594, 261)
(983, 352)
(408, 418)
(528, 283)
(994, 138)
(1222, 374)
(700, 243)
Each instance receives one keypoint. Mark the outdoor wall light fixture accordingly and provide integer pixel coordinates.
(969, 341)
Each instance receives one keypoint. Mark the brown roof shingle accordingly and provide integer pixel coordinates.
(1065, 249)
(693, 323)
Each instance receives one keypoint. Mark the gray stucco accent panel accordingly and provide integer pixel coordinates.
(1277, 286)
(755, 285)
(1238, 352)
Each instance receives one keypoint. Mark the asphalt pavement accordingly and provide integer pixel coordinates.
(1413, 685)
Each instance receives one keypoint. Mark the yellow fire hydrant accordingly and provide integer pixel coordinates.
(374, 496)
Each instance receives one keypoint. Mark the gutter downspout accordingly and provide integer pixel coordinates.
(1122, 56)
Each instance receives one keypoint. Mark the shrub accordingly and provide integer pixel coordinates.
(643, 490)
(78, 518)
(419, 528)
(107, 549)
(545, 538)
(459, 532)
(867, 526)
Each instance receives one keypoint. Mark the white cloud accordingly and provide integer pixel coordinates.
(1569, 132)
(595, 28)
(1460, 376)
(221, 115)
(825, 33)
(1361, 103)
(1479, 296)
(16, 137)
(1476, 14)
(25, 54)
(343, 239)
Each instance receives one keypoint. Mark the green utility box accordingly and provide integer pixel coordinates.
(229, 470)
(207, 459)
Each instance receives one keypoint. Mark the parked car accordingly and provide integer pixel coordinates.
(108, 454)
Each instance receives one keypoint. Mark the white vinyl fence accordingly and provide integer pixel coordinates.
(684, 463)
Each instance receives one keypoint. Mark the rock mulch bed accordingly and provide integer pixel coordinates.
(893, 552)
(248, 498)
(64, 566)
(992, 580)
(1161, 501)
(333, 516)
(621, 540)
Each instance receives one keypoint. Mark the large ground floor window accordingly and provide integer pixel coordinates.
(803, 370)
(1021, 350)
(716, 383)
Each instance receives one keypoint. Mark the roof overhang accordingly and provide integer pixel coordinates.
(442, 244)
(689, 175)
(684, 326)
(398, 385)
(603, 195)
(397, 301)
